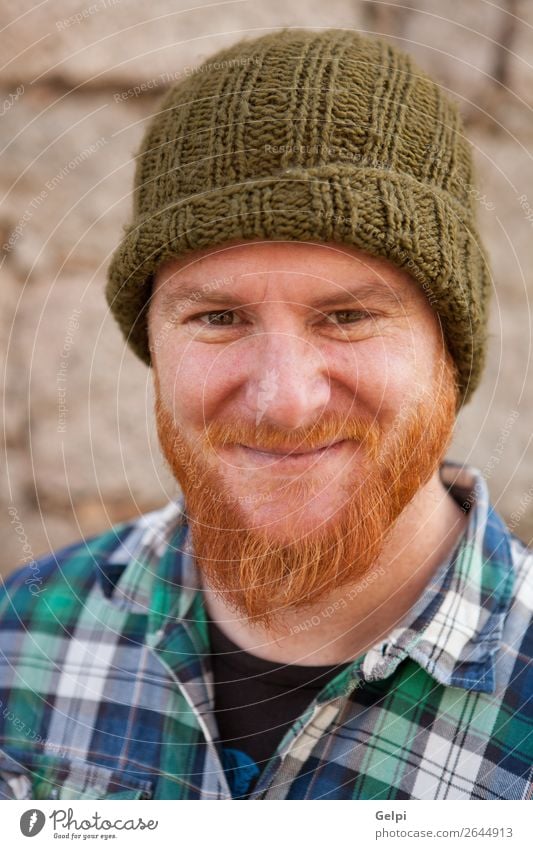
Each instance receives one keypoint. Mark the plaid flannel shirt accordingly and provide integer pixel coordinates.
(106, 690)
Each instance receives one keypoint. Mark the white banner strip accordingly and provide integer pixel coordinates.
(268, 825)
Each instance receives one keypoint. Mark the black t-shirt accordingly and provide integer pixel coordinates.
(256, 702)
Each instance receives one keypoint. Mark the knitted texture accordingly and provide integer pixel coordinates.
(311, 136)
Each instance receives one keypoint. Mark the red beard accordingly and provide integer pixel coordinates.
(264, 578)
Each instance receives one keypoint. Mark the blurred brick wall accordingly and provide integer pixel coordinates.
(80, 445)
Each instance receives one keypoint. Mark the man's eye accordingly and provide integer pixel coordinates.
(350, 316)
(223, 314)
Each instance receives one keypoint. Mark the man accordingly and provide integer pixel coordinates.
(328, 609)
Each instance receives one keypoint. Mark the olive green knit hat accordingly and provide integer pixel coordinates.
(321, 136)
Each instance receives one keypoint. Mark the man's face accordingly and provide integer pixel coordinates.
(265, 354)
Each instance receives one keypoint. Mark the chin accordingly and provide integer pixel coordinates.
(281, 518)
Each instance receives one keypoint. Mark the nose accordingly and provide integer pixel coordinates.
(289, 386)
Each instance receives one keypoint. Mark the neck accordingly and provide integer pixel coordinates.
(353, 618)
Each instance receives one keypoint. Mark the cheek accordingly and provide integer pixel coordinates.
(378, 373)
(196, 379)
(384, 374)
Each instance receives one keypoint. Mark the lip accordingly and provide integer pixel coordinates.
(297, 458)
(285, 451)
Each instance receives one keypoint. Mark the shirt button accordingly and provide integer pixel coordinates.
(54, 793)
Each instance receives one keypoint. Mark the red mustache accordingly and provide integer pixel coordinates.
(265, 436)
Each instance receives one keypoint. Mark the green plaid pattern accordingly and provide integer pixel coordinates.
(106, 689)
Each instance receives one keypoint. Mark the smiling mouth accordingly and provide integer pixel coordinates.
(288, 453)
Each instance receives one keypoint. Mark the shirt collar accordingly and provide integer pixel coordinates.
(453, 631)
(455, 628)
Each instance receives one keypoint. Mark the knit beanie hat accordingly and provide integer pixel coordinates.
(311, 136)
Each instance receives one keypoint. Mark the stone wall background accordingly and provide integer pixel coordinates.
(69, 129)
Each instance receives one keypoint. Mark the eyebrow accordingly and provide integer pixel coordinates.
(379, 293)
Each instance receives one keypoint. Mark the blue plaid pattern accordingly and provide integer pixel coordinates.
(106, 690)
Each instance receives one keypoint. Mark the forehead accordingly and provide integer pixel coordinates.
(298, 270)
